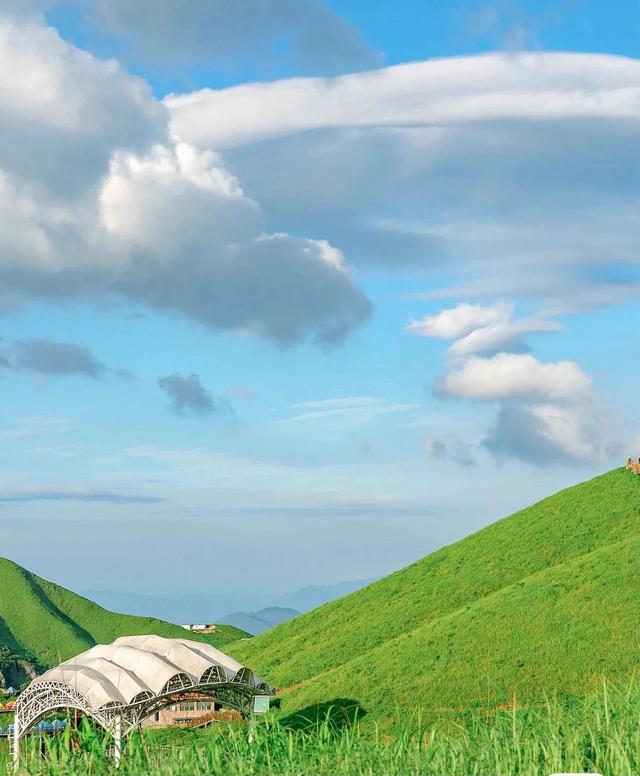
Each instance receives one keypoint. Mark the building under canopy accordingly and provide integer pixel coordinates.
(118, 685)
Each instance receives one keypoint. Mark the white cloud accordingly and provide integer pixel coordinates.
(63, 112)
(460, 320)
(481, 160)
(207, 254)
(482, 329)
(579, 430)
(96, 200)
(548, 412)
(506, 335)
(433, 93)
(513, 375)
(543, 433)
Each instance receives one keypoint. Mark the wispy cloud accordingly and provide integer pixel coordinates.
(92, 496)
(355, 408)
(55, 451)
(198, 460)
(37, 425)
(324, 404)
(453, 449)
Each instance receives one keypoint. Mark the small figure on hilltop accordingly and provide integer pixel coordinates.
(633, 466)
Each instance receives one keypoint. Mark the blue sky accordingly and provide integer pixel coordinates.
(309, 329)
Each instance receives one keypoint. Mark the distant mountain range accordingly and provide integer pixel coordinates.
(215, 606)
(261, 621)
(179, 609)
(311, 597)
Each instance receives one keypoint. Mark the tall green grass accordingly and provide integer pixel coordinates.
(600, 734)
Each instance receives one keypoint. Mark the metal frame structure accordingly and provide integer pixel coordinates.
(235, 689)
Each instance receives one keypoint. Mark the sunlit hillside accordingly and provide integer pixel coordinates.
(543, 601)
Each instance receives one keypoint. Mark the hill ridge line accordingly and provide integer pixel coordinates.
(494, 525)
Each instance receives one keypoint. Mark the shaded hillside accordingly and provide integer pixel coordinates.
(546, 599)
(46, 623)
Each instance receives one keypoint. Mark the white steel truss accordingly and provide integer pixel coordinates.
(43, 697)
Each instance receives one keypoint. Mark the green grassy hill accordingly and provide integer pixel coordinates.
(543, 601)
(46, 623)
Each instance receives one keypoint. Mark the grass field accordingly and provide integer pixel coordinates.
(46, 623)
(596, 734)
(543, 601)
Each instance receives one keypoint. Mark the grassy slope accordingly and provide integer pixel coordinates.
(41, 620)
(543, 600)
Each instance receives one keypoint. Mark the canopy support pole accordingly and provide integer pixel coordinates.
(251, 720)
(117, 740)
(16, 742)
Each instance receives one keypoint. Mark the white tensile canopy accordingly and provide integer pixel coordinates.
(120, 684)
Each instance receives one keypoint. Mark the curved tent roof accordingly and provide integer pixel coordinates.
(166, 646)
(126, 682)
(141, 667)
(89, 682)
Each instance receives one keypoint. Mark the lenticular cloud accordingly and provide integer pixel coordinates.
(470, 167)
(437, 92)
